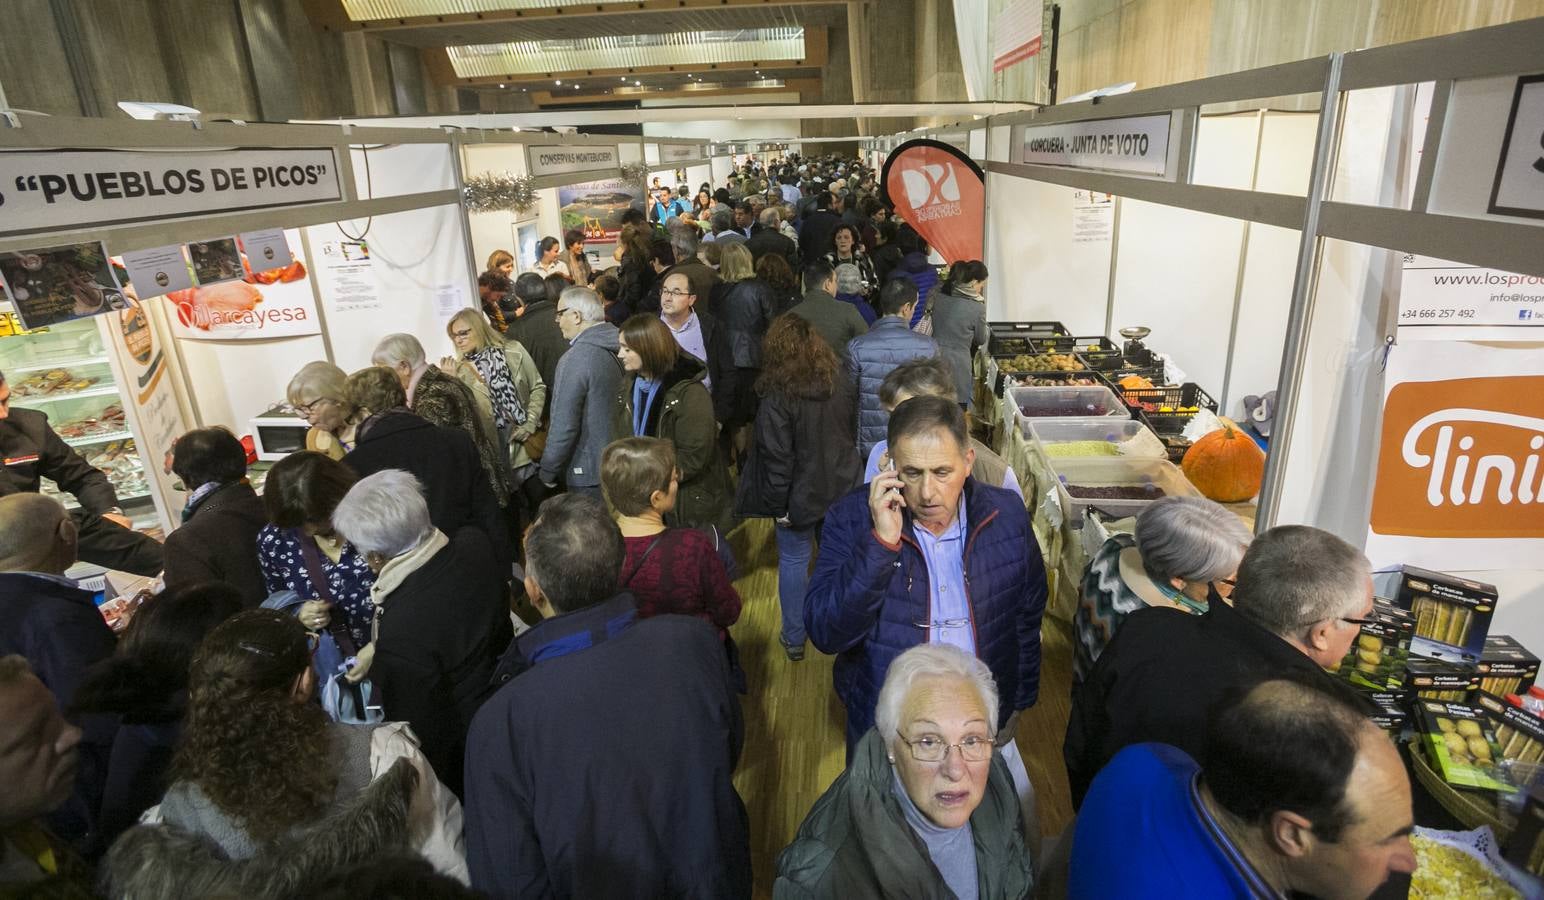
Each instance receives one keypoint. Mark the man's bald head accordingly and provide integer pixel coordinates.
(36, 534)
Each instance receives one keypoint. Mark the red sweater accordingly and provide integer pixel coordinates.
(683, 576)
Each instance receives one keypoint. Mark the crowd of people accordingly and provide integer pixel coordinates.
(476, 638)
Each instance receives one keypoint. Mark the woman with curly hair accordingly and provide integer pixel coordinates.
(803, 457)
(265, 776)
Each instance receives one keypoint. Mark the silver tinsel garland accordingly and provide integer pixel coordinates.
(490, 193)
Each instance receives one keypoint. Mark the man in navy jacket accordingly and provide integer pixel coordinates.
(925, 553)
(603, 766)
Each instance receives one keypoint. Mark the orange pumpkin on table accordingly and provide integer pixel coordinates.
(1225, 465)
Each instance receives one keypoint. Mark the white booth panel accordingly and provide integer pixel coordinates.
(1286, 153)
(236, 380)
(629, 152)
(1176, 273)
(998, 139)
(1037, 269)
(977, 144)
(697, 174)
(1269, 265)
(396, 169)
(722, 167)
(417, 278)
(1225, 150)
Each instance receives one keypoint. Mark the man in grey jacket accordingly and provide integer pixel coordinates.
(583, 392)
(833, 320)
(870, 357)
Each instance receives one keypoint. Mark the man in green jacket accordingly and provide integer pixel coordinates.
(836, 321)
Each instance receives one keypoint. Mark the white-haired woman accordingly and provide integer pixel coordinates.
(441, 613)
(924, 808)
(502, 368)
(1183, 549)
(319, 393)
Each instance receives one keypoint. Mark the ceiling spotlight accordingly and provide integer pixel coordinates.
(501, 84)
(560, 82)
(576, 87)
(637, 84)
(623, 79)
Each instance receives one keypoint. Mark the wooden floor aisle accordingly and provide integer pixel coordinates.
(794, 723)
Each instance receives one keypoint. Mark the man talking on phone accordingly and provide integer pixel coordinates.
(925, 553)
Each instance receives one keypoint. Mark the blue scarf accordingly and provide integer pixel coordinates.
(644, 392)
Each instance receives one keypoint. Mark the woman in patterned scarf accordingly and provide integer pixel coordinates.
(503, 367)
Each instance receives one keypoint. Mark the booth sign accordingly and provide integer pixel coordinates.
(557, 159)
(679, 152)
(1135, 144)
(80, 189)
(1460, 467)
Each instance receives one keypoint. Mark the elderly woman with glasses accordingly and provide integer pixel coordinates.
(488, 361)
(1183, 549)
(925, 808)
(319, 393)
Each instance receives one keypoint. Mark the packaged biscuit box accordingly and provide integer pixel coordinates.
(1506, 666)
(1462, 745)
(1431, 679)
(1519, 732)
(1377, 659)
(1452, 614)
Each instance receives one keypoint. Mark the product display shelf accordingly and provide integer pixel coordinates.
(88, 440)
(62, 363)
(107, 390)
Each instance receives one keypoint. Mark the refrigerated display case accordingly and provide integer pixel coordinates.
(67, 372)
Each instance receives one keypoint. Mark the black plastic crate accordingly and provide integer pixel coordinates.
(1153, 373)
(1173, 442)
(1004, 362)
(1075, 344)
(1012, 338)
(1168, 409)
(1088, 376)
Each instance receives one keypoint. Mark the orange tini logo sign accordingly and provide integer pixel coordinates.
(1462, 458)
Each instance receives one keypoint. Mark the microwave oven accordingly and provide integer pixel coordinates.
(277, 433)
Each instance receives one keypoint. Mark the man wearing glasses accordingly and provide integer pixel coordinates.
(926, 554)
(1297, 605)
(584, 389)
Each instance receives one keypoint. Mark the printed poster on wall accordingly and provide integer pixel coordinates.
(158, 270)
(147, 386)
(1093, 217)
(58, 284)
(277, 303)
(596, 207)
(1460, 471)
(1435, 293)
(345, 273)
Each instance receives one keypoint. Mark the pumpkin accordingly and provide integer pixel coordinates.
(1225, 465)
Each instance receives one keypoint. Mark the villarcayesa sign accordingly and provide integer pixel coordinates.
(1460, 469)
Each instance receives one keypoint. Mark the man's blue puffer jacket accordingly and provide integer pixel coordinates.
(865, 598)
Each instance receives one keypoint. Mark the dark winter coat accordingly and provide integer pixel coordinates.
(959, 327)
(834, 320)
(803, 457)
(856, 841)
(581, 401)
(815, 235)
(443, 459)
(872, 356)
(865, 597)
(32, 450)
(634, 275)
(923, 276)
(603, 766)
(769, 240)
(438, 636)
(683, 415)
(538, 332)
(444, 400)
(218, 542)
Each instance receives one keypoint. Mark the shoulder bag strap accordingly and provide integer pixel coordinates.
(647, 552)
(318, 577)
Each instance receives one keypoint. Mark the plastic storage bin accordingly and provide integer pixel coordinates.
(1128, 439)
(1154, 478)
(1080, 402)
